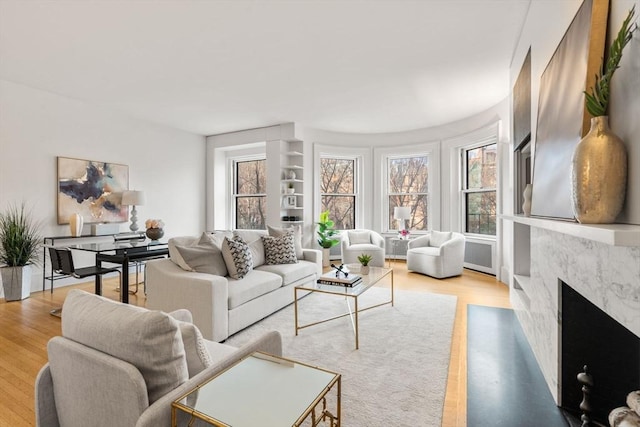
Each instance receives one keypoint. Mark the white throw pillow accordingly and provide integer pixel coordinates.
(198, 357)
(174, 255)
(297, 237)
(438, 238)
(237, 257)
(359, 237)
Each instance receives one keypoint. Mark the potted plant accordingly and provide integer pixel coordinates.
(326, 236)
(19, 244)
(364, 259)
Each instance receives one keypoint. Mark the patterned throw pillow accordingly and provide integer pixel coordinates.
(297, 237)
(237, 257)
(280, 250)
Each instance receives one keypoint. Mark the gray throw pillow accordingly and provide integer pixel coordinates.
(237, 257)
(204, 257)
(279, 250)
(297, 237)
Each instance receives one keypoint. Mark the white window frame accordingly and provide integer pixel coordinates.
(388, 194)
(463, 184)
(356, 168)
(231, 171)
(432, 151)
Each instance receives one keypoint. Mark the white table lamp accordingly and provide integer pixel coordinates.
(133, 198)
(401, 214)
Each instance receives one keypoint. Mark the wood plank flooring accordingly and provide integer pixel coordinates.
(26, 326)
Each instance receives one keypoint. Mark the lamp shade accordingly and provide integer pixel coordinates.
(133, 198)
(401, 213)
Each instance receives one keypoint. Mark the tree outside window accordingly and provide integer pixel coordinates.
(337, 191)
(408, 180)
(479, 189)
(250, 194)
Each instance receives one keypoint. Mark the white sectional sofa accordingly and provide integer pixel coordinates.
(220, 304)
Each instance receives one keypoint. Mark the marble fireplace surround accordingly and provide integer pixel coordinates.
(601, 264)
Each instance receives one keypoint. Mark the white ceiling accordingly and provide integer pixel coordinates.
(216, 66)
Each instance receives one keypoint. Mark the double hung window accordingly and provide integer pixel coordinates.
(338, 190)
(408, 184)
(479, 189)
(249, 193)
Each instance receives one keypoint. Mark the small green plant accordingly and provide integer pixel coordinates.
(19, 237)
(364, 259)
(597, 102)
(326, 232)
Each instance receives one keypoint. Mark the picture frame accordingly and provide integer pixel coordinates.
(562, 116)
(290, 202)
(92, 189)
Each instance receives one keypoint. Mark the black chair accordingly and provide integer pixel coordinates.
(65, 258)
(57, 268)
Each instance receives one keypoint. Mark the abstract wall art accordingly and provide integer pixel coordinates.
(92, 189)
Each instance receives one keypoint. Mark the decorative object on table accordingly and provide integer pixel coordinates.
(404, 234)
(340, 278)
(75, 224)
(526, 195)
(291, 174)
(401, 214)
(599, 162)
(326, 236)
(104, 229)
(562, 117)
(19, 245)
(340, 270)
(155, 228)
(364, 260)
(133, 198)
(290, 201)
(92, 189)
(291, 189)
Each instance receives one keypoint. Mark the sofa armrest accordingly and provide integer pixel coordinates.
(377, 239)
(455, 245)
(420, 242)
(206, 296)
(315, 256)
(159, 413)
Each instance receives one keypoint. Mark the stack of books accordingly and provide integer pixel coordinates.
(330, 279)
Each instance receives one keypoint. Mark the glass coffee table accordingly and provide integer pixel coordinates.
(262, 390)
(376, 274)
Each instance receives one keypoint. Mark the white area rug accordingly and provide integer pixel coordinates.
(398, 376)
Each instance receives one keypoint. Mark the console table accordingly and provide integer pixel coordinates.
(262, 390)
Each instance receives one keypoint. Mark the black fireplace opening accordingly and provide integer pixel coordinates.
(589, 336)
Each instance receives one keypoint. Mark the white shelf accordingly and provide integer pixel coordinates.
(292, 222)
(294, 207)
(292, 167)
(293, 180)
(294, 153)
(610, 234)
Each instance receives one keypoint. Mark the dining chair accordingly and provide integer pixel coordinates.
(65, 258)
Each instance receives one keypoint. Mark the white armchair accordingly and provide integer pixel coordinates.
(438, 254)
(357, 242)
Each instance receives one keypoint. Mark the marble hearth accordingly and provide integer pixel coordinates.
(600, 263)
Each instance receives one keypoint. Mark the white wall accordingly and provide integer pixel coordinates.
(37, 126)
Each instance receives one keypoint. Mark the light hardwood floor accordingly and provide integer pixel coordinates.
(26, 326)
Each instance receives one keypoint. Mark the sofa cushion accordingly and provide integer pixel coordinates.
(174, 255)
(237, 257)
(438, 238)
(291, 272)
(149, 340)
(204, 257)
(250, 235)
(426, 250)
(257, 252)
(256, 283)
(279, 250)
(219, 352)
(297, 237)
(359, 237)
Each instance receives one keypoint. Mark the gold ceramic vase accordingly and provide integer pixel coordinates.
(598, 175)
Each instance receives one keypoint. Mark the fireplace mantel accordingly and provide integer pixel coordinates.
(610, 234)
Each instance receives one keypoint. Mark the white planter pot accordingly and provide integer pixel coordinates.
(16, 282)
(326, 261)
(364, 269)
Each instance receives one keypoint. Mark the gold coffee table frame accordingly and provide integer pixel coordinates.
(376, 274)
(297, 391)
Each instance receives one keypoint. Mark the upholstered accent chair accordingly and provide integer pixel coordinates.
(437, 254)
(122, 365)
(357, 242)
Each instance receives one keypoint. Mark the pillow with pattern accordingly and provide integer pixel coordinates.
(279, 250)
(237, 257)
